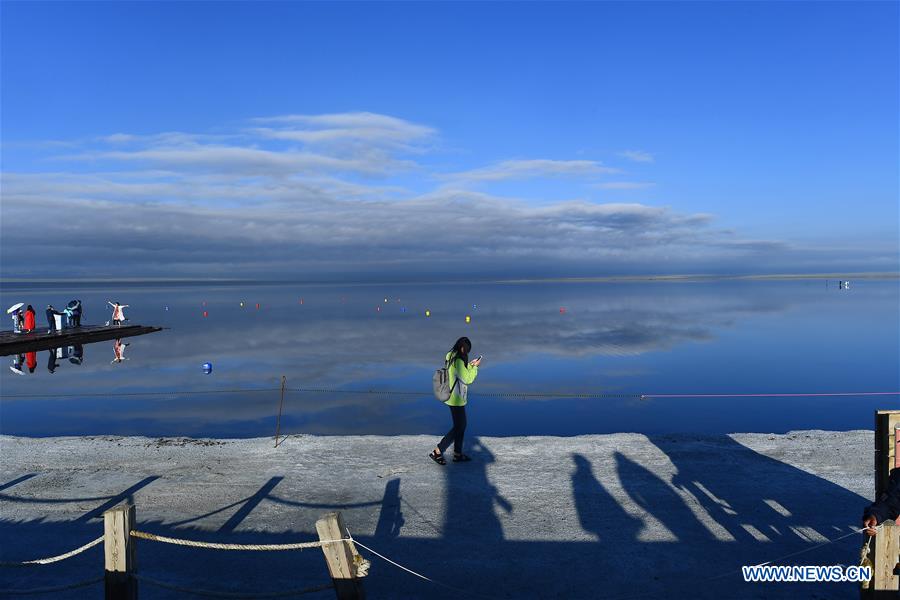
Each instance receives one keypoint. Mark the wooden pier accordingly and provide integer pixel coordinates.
(39, 339)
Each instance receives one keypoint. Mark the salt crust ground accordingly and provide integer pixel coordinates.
(598, 516)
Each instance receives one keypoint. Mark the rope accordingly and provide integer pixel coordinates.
(419, 575)
(217, 546)
(121, 394)
(805, 550)
(428, 393)
(49, 590)
(216, 594)
(770, 395)
(53, 559)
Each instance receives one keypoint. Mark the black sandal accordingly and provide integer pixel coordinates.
(438, 458)
(461, 457)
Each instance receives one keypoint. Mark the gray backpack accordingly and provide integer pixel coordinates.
(441, 383)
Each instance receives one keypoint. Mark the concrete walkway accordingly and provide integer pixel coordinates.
(541, 517)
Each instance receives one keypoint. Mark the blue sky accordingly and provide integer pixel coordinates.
(389, 139)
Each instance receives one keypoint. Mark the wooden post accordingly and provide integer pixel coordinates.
(345, 564)
(887, 553)
(280, 406)
(886, 456)
(119, 551)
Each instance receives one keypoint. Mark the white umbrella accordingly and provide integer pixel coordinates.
(14, 308)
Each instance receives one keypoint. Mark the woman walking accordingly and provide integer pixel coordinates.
(461, 373)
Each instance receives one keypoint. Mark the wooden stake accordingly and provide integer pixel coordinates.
(280, 406)
(345, 564)
(119, 553)
(886, 423)
(887, 552)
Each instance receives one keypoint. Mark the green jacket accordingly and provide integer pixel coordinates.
(466, 375)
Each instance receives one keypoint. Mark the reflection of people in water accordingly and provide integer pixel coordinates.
(51, 361)
(77, 354)
(119, 351)
(31, 361)
(16, 367)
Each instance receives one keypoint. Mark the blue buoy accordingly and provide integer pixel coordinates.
(207, 368)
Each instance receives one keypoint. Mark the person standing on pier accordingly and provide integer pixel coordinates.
(51, 317)
(885, 507)
(118, 315)
(461, 373)
(18, 321)
(29, 319)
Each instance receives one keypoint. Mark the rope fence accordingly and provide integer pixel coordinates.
(218, 546)
(360, 570)
(53, 559)
(324, 390)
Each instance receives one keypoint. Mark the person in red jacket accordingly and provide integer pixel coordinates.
(29, 318)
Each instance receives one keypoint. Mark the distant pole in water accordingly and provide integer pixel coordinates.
(280, 406)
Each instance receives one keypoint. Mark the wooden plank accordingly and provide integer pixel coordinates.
(887, 554)
(345, 564)
(886, 455)
(119, 553)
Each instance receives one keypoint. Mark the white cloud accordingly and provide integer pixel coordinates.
(637, 155)
(360, 128)
(526, 169)
(624, 185)
(244, 204)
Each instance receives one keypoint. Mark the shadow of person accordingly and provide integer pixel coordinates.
(598, 511)
(766, 501)
(656, 497)
(390, 519)
(470, 497)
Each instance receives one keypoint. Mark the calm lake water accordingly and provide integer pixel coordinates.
(616, 338)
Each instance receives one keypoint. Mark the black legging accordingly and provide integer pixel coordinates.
(456, 433)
